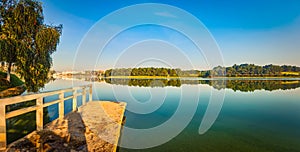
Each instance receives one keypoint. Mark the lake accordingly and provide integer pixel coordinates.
(255, 115)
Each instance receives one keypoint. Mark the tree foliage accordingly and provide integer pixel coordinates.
(7, 37)
(27, 41)
(251, 70)
(151, 71)
(243, 70)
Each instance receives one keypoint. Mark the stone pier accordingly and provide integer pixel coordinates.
(95, 126)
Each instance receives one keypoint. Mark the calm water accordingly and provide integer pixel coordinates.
(257, 115)
(251, 119)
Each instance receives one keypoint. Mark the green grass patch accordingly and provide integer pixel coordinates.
(290, 73)
(14, 81)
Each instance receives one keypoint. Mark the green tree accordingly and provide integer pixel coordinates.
(7, 37)
(28, 41)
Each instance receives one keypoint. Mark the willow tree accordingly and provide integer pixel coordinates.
(24, 34)
(36, 62)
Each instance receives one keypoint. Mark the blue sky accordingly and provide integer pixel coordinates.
(259, 32)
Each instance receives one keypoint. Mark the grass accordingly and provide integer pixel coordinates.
(290, 73)
(14, 81)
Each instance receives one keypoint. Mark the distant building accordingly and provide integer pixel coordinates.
(4, 66)
(94, 73)
(91, 73)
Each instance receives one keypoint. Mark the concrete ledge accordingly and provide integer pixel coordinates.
(95, 127)
(104, 118)
(12, 91)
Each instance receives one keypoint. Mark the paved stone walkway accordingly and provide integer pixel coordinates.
(105, 120)
(95, 127)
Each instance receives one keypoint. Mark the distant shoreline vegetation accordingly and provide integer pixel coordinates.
(243, 70)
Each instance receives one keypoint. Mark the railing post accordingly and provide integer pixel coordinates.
(61, 105)
(39, 114)
(83, 95)
(2, 128)
(91, 92)
(74, 100)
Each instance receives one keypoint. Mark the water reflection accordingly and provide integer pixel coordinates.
(244, 85)
(253, 121)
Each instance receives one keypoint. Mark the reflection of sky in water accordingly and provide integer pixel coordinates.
(57, 85)
(63, 84)
(253, 121)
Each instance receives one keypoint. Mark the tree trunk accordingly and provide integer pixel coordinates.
(8, 71)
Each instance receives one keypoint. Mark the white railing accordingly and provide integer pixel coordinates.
(39, 106)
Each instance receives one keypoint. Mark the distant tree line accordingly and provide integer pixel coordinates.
(251, 70)
(243, 70)
(151, 71)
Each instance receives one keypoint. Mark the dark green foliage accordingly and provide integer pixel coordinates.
(151, 71)
(243, 70)
(26, 41)
(251, 70)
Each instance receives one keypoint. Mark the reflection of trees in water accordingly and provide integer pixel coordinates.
(252, 85)
(93, 79)
(240, 85)
(145, 82)
(22, 125)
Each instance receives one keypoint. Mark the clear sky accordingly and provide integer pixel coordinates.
(257, 31)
